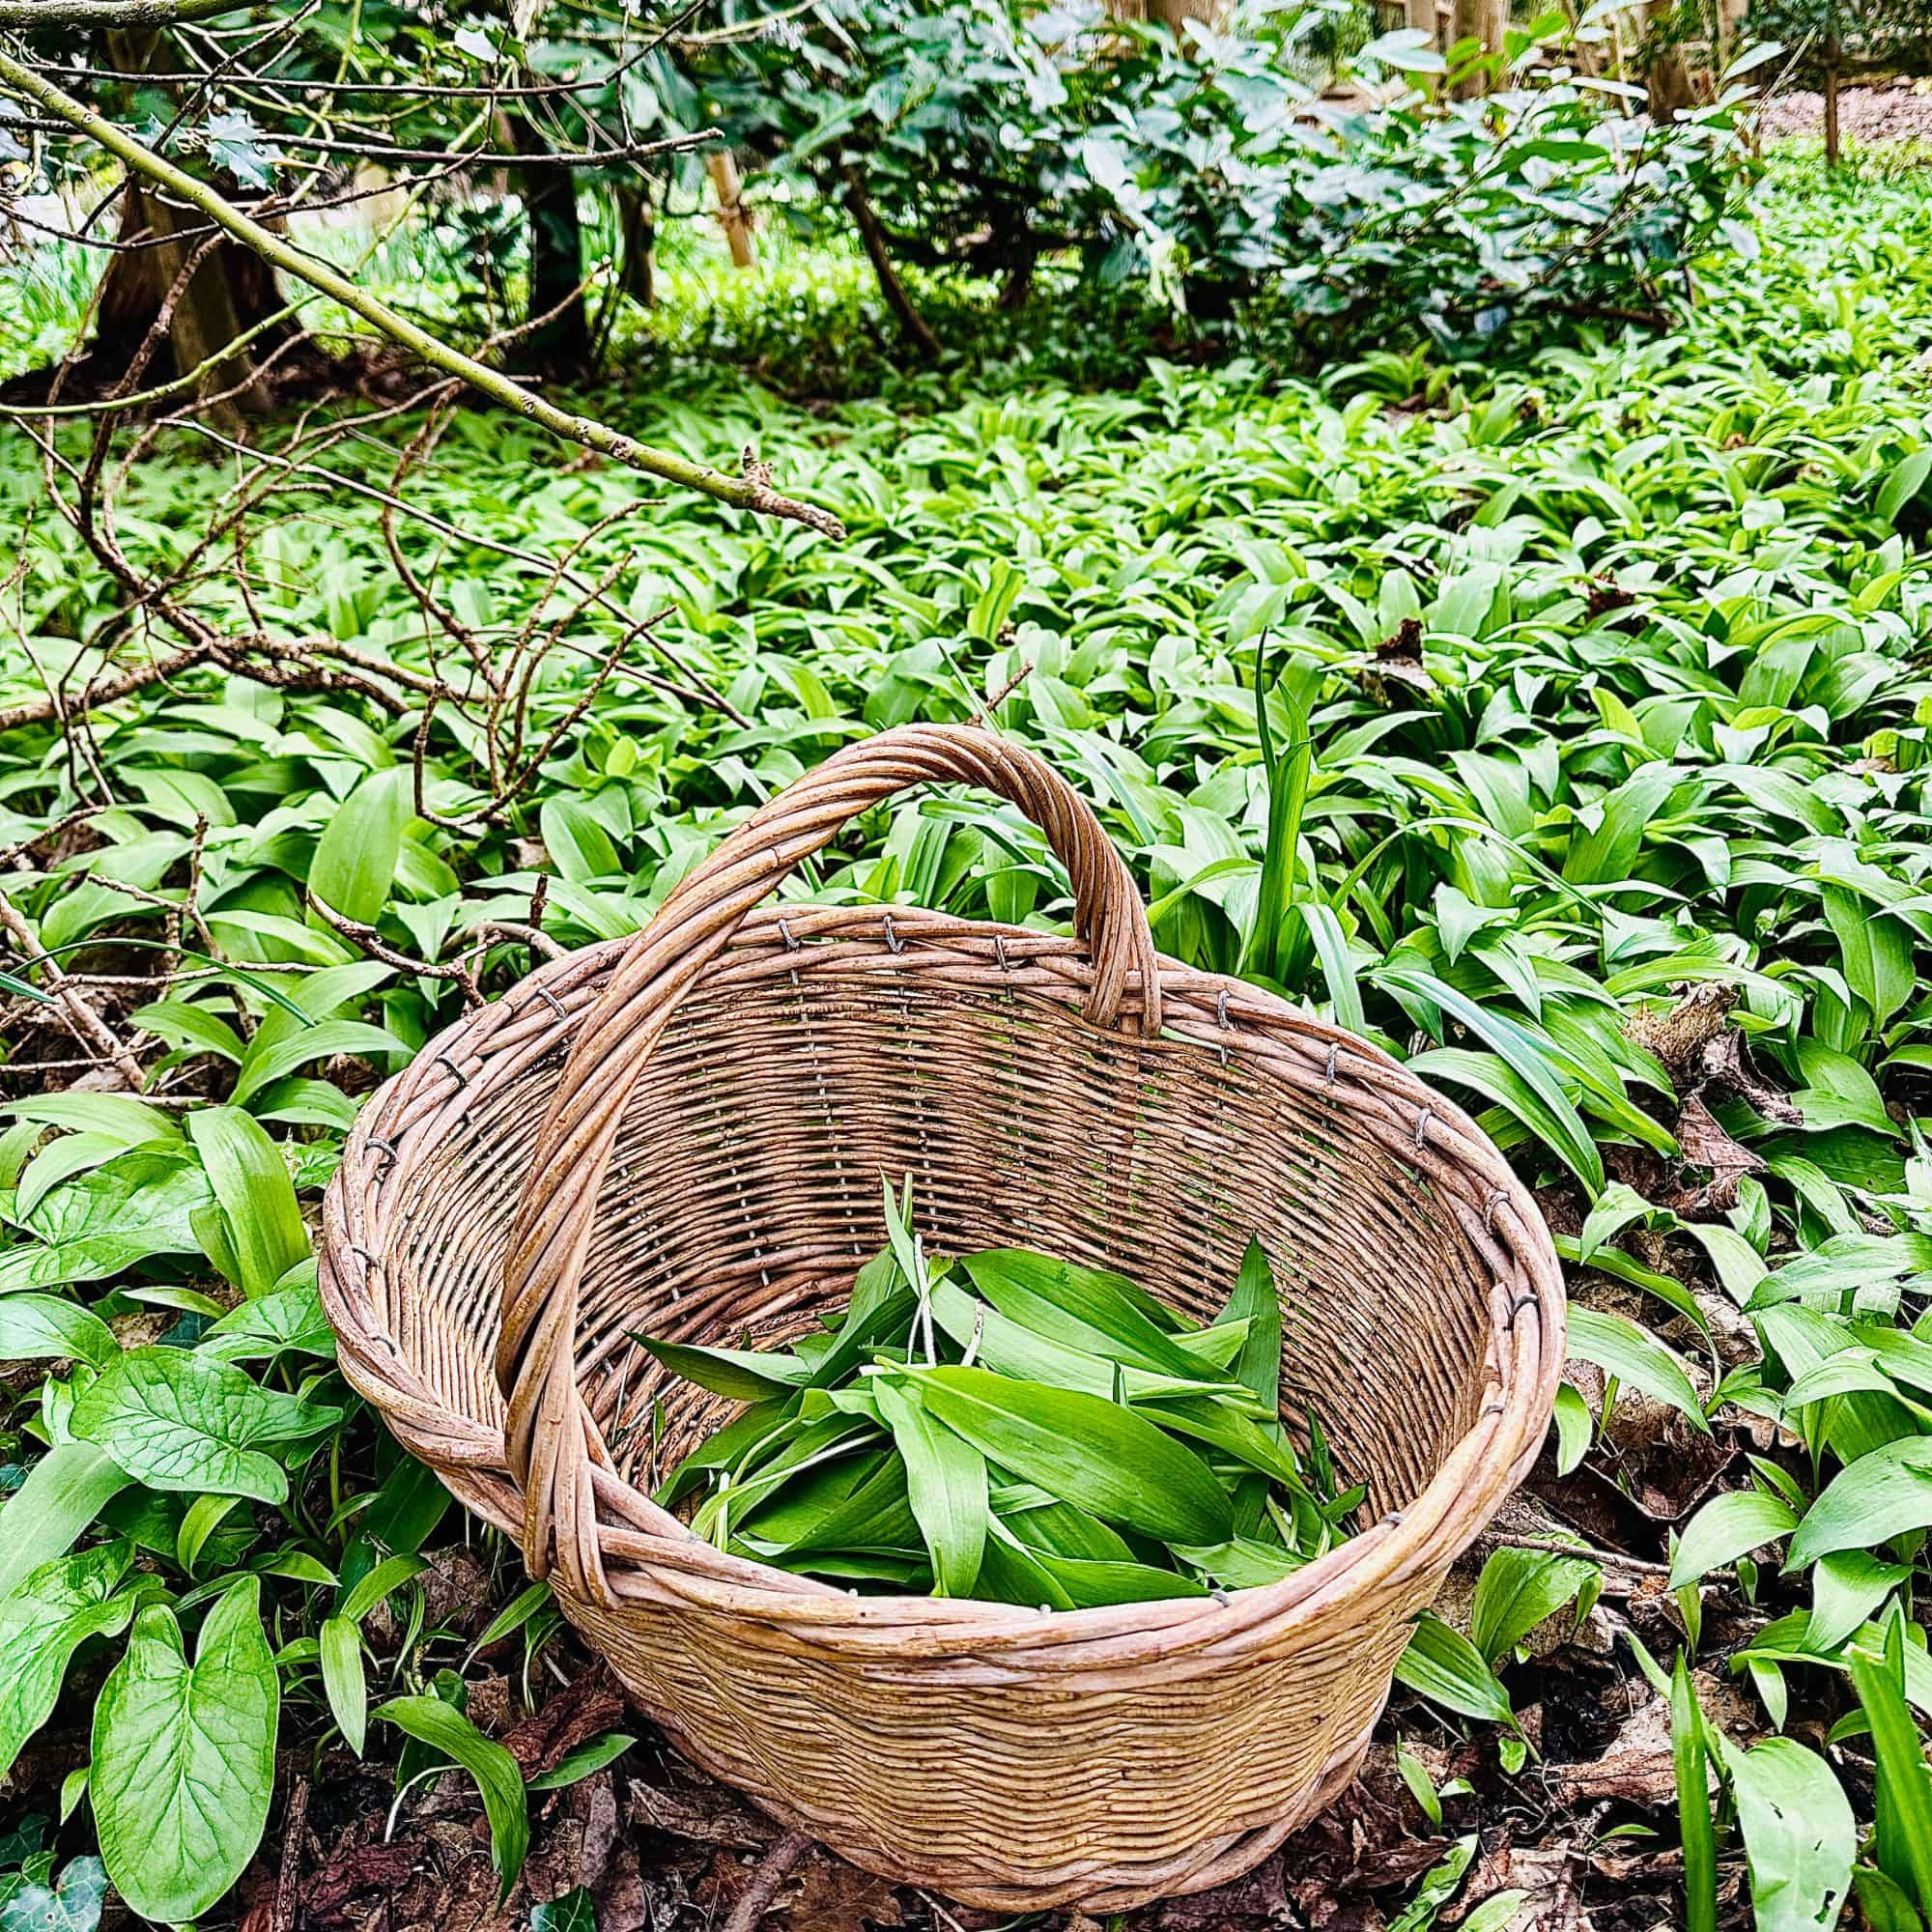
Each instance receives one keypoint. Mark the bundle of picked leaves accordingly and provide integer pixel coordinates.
(1017, 1429)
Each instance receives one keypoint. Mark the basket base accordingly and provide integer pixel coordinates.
(1214, 1863)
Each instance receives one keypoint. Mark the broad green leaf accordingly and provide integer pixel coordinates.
(141, 1202)
(35, 1327)
(43, 1623)
(179, 1421)
(184, 1757)
(1727, 1527)
(1256, 1302)
(1800, 1837)
(71, 1904)
(946, 1485)
(1085, 1449)
(1617, 1344)
(1517, 1590)
(356, 858)
(1904, 1797)
(1442, 1665)
(64, 1493)
(745, 1374)
(1082, 1308)
(339, 1646)
(1883, 1495)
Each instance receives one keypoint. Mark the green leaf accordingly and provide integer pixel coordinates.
(745, 1374)
(1081, 1308)
(288, 1322)
(1883, 1493)
(576, 1911)
(1574, 1429)
(584, 1761)
(1800, 1837)
(946, 1485)
(269, 1060)
(445, 1730)
(1726, 1528)
(1517, 1590)
(1526, 1057)
(184, 1757)
(1442, 1665)
(43, 1623)
(256, 1197)
(1904, 482)
(179, 1421)
(40, 1327)
(139, 1203)
(1904, 1812)
(1256, 1302)
(1085, 1449)
(339, 1645)
(1617, 1344)
(356, 858)
(64, 1493)
(579, 846)
(1696, 1830)
(1286, 769)
(71, 1905)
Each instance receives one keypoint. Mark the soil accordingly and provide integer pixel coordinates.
(1883, 112)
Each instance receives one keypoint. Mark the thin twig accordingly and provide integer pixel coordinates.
(774, 1868)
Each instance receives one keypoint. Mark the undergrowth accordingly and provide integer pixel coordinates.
(1611, 658)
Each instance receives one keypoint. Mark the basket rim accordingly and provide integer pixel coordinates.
(651, 1554)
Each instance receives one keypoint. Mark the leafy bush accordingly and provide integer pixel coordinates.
(1209, 172)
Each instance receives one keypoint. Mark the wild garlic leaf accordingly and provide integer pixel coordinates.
(1081, 1308)
(184, 1757)
(1092, 1451)
(946, 1487)
(175, 1420)
(500, 1782)
(1256, 1302)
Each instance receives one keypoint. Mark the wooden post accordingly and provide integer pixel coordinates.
(1422, 13)
(1832, 57)
(723, 167)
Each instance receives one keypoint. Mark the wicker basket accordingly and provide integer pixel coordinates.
(684, 1133)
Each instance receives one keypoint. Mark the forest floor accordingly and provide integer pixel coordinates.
(1618, 649)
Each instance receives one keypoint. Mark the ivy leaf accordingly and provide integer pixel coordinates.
(71, 1905)
(184, 1757)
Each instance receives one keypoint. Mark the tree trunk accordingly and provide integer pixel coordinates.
(1484, 21)
(873, 238)
(637, 237)
(722, 169)
(231, 292)
(1831, 96)
(558, 335)
(1667, 76)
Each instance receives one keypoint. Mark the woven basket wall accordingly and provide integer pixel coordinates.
(684, 1133)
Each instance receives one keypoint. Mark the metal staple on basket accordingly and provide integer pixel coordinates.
(754, 1074)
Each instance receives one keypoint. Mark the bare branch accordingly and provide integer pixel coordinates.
(746, 491)
(23, 14)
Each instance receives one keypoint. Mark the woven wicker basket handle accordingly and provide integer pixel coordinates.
(552, 1441)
